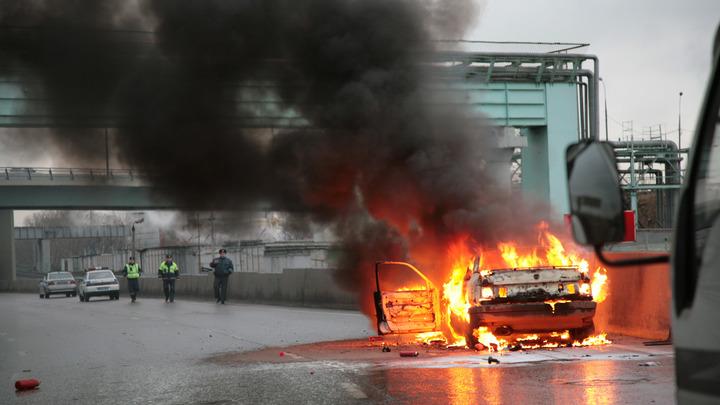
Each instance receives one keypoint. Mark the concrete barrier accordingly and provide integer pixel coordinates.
(304, 287)
(638, 301)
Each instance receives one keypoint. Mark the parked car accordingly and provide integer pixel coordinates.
(98, 283)
(58, 282)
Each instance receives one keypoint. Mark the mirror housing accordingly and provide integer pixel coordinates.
(596, 208)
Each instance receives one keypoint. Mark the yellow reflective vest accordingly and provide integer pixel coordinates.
(132, 270)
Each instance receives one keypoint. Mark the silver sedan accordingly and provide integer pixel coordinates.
(58, 282)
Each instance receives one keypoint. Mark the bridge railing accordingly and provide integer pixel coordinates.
(66, 173)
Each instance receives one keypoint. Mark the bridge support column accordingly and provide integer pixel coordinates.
(43, 257)
(543, 161)
(7, 248)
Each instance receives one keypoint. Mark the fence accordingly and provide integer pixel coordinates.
(248, 257)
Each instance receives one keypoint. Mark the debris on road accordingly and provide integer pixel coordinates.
(385, 348)
(649, 364)
(409, 354)
(26, 384)
(492, 360)
(375, 338)
(282, 354)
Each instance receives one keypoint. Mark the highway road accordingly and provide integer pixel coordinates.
(192, 352)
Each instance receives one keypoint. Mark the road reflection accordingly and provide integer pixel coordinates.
(590, 382)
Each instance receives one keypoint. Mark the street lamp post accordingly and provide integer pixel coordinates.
(137, 221)
(605, 99)
(679, 121)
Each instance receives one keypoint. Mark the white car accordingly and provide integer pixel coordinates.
(99, 282)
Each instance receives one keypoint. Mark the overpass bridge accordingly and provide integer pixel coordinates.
(39, 188)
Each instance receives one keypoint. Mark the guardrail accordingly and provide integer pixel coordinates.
(66, 173)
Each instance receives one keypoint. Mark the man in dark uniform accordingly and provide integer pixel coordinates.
(132, 272)
(223, 268)
(169, 272)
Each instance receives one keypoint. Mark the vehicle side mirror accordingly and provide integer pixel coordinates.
(596, 207)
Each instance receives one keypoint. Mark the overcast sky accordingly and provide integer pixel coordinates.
(649, 50)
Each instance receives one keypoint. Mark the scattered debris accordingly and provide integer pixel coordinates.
(492, 360)
(281, 354)
(385, 348)
(649, 364)
(409, 354)
(27, 384)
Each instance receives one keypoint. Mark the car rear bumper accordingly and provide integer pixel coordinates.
(61, 289)
(101, 290)
(532, 316)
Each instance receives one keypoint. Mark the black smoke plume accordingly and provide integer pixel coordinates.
(394, 175)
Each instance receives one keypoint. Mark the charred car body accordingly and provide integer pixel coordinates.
(530, 300)
(511, 301)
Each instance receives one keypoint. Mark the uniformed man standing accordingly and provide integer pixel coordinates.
(223, 268)
(132, 272)
(169, 272)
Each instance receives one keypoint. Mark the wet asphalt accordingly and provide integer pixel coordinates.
(151, 352)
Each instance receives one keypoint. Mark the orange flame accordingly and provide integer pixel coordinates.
(550, 251)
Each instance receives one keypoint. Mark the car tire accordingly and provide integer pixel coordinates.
(581, 334)
(47, 295)
(67, 294)
(86, 298)
(42, 295)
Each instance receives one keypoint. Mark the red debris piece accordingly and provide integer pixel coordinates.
(27, 384)
(281, 354)
(375, 338)
(409, 354)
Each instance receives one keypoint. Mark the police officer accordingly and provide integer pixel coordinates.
(132, 272)
(223, 268)
(169, 272)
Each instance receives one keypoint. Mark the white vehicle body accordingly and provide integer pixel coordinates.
(99, 283)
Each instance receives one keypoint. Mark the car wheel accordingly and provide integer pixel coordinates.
(581, 334)
(86, 298)
(67, 294)
(42, 295)
(47, 295)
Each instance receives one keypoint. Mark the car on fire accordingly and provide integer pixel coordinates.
(507, 301)
(541, 299)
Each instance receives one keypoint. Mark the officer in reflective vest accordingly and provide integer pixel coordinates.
(169, 272)
(132, 272)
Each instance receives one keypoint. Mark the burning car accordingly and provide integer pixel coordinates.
(542, 299)
(508, 297)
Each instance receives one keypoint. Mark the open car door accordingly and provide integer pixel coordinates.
(412, 310)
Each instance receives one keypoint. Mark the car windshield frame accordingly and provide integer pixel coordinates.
(97, 275)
